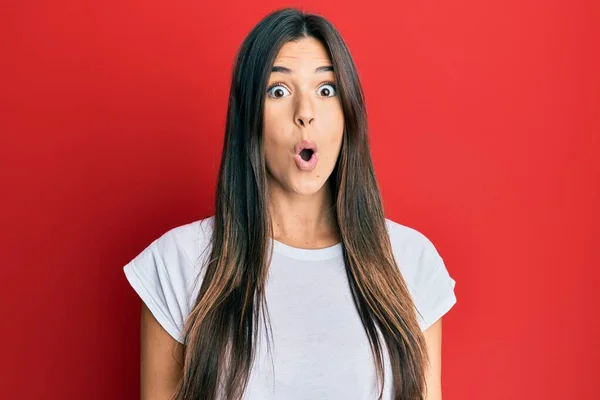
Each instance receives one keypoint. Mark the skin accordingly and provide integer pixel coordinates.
(433, 338)
(303, 107)
(161, 359)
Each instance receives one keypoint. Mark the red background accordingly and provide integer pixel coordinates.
(485, 131)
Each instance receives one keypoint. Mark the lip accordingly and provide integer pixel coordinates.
(310, 164)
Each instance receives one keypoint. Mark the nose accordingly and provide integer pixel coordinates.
(304, 112)
(301, 120)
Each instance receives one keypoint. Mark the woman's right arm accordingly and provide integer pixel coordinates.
(161, 359)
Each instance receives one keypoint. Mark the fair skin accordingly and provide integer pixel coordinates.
(303, 106)
(161, 359)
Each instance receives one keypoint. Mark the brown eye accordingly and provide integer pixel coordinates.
(327, 90)
(277, 91)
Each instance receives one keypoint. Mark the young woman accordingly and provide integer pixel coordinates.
(297, 287)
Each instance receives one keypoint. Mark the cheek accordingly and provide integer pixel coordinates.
(274, 127)
(275, 140)
(334, 126)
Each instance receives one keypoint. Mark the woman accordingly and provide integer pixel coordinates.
(298, 287)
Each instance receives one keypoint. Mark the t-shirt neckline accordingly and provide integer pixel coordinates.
(297, 253)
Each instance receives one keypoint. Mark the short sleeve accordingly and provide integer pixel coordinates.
(163, 275)
(433, 287)
(425, 273)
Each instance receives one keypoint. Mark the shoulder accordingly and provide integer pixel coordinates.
(423, 270)
(166, 274)
(186, 243)
(412, 250)
(406, 239)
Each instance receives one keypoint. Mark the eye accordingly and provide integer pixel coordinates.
(328, 89)
(277, 90)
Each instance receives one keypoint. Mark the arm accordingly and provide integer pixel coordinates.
(161, 359)
(433, 338)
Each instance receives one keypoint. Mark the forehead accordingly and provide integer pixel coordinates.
(306, 50)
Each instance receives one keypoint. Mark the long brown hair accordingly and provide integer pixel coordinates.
(221, 331)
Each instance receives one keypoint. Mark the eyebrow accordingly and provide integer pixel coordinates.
(285, 70)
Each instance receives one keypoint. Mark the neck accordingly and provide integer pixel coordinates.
(303, 221)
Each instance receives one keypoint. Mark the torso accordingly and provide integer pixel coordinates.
(320, 349)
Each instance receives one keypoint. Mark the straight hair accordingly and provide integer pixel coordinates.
(222, 329)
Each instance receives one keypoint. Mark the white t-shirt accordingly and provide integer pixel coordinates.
(320, 349)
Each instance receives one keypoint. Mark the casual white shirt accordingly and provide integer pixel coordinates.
(320, 349)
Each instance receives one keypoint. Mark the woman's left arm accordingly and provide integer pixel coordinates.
(433, 338)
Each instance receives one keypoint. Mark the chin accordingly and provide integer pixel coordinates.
(307, 185)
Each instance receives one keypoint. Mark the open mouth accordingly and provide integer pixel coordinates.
(306, 154)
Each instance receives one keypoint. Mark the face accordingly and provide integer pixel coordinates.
(303, 119)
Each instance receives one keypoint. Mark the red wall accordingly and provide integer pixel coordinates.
(485, 134)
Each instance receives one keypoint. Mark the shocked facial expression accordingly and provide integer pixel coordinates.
(303, 118)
